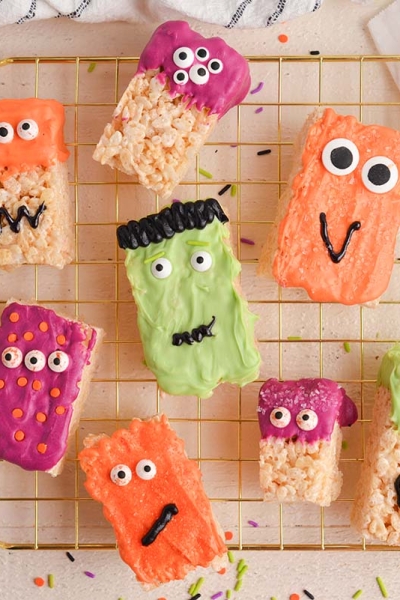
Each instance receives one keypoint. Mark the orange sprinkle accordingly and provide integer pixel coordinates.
(28, 336)
(17, 413)
(19, 436)
(283, 38)
(162, 599)
(61, 340)
(42, 448)
(60, 410)
(14, 317)
(55, 392)
(41, 417)
(2, 384)
(38, 581)
(222, 571)
(22, 381)
(36, 385)
(228, 535)
(12, 337)
(294, 597)
(43, 326)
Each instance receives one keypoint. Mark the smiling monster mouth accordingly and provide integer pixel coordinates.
(196, 335)
(336, 257)
(167, 514)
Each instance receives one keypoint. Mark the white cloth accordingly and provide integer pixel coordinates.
(228, 13)
(385, 28)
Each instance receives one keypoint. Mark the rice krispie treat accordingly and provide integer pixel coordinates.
(154, 498)
(337, 222)
(376, 509)
(301, 439)
(45, 369)
(195, 325)
(36, 216)
(183, 85)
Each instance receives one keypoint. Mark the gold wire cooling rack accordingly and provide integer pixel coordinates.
(296, 336)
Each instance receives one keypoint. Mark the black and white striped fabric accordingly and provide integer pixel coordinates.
(228, 13)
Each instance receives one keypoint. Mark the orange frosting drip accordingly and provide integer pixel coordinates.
(302, 259)
(21, 155)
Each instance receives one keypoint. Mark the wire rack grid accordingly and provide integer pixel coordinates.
(296, 336)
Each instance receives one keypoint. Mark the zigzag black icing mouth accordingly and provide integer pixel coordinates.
(336, 257)
(196, 335)
(23, 211)
(167, 513)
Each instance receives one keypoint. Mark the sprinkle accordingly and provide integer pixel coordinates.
(175, 200)
(215, 596)
(91, 67)
(294, 338)
(253, 523)
(71, 558)
(191, 589)
(242, 572)
(196, 597)
(259, 110)
(238, 585)
(38, 581)
(233, 190)
(357, 594)
(250, 243)
(89, 574)
(315, 52)
(50, 579)
(241, 564)
(230, 556)
(258, 88)
(198, 585)
(283, 38)
(228, 594)
(153, 258)
(222, 571)
(205, 174)
(294, 597)
(382, 587)
(309, 595)
(224, 189)
(345, 445)
(228, 535)
(273, 598)
(235, 146)
(346, 347)
(262, 152)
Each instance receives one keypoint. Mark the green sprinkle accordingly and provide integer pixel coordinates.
(242, 571)
(198, 586)
(91, 67)
(294, 338)
(154, 257)
(233, 190)
(357, 594)
(345, 445)
(230, 556)
(241, 564)
(228, 594)
(197, 243)
(382, 587)
(238, 585)
(273, 598)
(346, 347)
(191, 589)
(205, 174)
(50, 580)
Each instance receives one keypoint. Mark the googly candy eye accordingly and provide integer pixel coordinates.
(146, 469)
(121, 475)
(161, 268)
(201, 261)
(199, 75)
(340, 156)
(58, 361)
(180, 77)
(11, 357)
(307, 420)
(379, 174)
(202, 54)
(183, 57)
(27, 129)
(6, 133)
(280, 417)
(35, 361)
(215, 66)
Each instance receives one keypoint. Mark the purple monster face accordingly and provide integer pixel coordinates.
(42, 360)
(306, 409)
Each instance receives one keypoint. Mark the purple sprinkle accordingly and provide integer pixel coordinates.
(258, 88)
(258, 110)
(253, 523)
(175, 200)
(233, 145)
(247, 241)
(125, 119)
(89, 574)
(217, 595)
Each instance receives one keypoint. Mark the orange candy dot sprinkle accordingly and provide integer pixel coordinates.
(22, 381)
(19, 436)
(2, 384)
(41, 417)
(14, 317)
(41, 448)
(283, 38)
(61, 340)
(294, 597)
(17, 413)
(36, 385)
(55, 392)
(43, 326)
(38, 581)
(222, 571)
(228, 535)
(12, 337)
(60, 410)
(28, 336)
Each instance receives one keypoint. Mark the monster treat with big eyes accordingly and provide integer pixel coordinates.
(336, 229)
(195, 325)
(183, 85)
(36, 224)
(301, 439)
(152, 494)
(45, 368)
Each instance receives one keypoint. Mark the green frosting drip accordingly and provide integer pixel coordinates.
(186, 300)
(389, 377)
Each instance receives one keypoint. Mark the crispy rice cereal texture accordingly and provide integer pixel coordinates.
(298, 471)
(52, 242)
(375, 511)
(153, 137)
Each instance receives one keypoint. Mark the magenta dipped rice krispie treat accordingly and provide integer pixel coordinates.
(45, 369)
(183, 85)
(301, 439)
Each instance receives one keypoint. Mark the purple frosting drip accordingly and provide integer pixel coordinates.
(325, 397)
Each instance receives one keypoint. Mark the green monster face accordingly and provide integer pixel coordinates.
(196, 329)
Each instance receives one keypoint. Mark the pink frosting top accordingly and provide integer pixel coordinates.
(205, 71)
(306, 409)
(42, 357)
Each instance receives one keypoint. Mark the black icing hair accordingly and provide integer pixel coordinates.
(170, 220)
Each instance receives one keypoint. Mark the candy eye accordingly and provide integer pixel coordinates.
(183, 57)
(161, 268)
(201, 261)
(202, 54)
(35, 360)
(6, 133)
(146, 469)
(180, 77)
(120, 475)
(379, 174)
(215, 66)
(280, 417)
(28, 129)
(58, 361)
(199, 75)
(340, 156)
(11, 357)
(307, 420)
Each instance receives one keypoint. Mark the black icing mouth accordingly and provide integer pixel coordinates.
(196, 335)
(167, 514)
(23, 211)
(397, 488)
(336, 257)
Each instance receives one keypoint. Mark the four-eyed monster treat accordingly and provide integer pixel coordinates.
(36, 213)
(153, 496)
(183, 85)
(376, 509)
(196, 328)
(337, 222)
(45, 370)
(301, 439)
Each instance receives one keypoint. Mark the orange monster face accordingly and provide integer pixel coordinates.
(338, 236)
(153, 496)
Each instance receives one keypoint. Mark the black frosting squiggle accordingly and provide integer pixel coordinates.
(336, 257)
(22, 212)
(196, 335)
(397, 488)
(169, 511)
